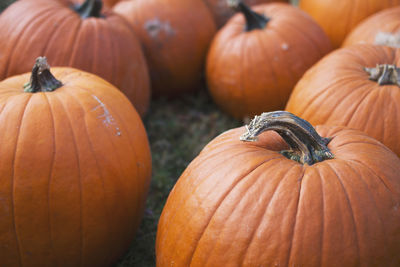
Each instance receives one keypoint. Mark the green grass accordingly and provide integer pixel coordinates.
(177, 131)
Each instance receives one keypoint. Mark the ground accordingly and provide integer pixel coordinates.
(178, 130)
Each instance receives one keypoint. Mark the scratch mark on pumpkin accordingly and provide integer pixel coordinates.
(388, 39)
(155, 27)
(108, 119)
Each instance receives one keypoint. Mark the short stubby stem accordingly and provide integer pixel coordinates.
(89, 8)
(254, 20)
(384, 74)
(41, 79)
(306, 145)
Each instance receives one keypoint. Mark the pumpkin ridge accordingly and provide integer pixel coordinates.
(122, 126)
(370, 192)
(293, 233)
(115, 114)
(357, 107)
(18, 245)
(361, 86)
(242, 66)
(373, 172)
(181, 204)
(263, 214)
(322, 92)
(76, 43)
(282, 55)
(46, 96)
(63, 20)
(303, 34)
(100, 175)
(357, 242)
(264, 49)
(75, 145)
(226, 194)
(95, 31)
(365, 98)
(18, 40)
(323, 220)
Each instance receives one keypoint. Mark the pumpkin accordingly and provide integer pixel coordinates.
(175, 36)
(353, 87)
(332, 199)
(75, 169)
(382, 28)
(253, 63)
(84, 38)
(222, 12)
(339, 17)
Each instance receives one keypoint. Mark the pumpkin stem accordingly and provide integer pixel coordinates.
(41, 79)
(254, 20)
(384, 74)
(306, 145)
(89, 8)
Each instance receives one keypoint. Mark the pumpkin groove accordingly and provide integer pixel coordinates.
(93, 44)
(246, 204)
(80, 186)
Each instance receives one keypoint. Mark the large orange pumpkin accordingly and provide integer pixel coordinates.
(383, 28)
(339, 17)
(74, 170)
(175, 35)
(222, 11)
(340, 91)
(254, 63)
(246, 204)
(100, 43)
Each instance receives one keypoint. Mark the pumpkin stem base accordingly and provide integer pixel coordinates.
(254, 20)
(384, 74)
(306, 145)
(89, 8)
(41, 79)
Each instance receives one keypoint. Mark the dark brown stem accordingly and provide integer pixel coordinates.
(89, 8)
(306, 145)
(41, 79)
(384, 74)
(254, 20)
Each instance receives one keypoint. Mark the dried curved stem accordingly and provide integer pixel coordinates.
(306, 145)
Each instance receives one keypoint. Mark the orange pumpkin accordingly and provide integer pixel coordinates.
(222, 12)
(340, 91)
(75, 169)
(100, 43)
(246, 204)
(339, 17)
(383, 28)
(254, 63)
(175, 36)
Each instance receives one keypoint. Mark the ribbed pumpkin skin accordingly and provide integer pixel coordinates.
(175, 36)
(339, 17)
(75, 170)
(106, 46)
(253, 72)
(370, 30)
(337, 91)
(222, 12)
(244, 204)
